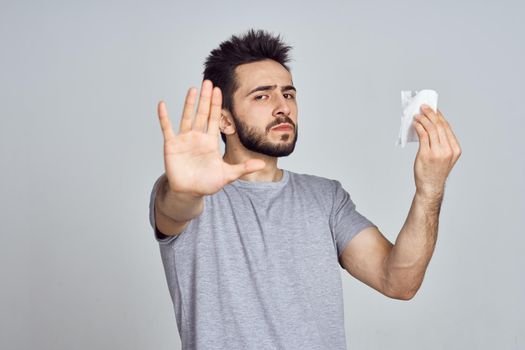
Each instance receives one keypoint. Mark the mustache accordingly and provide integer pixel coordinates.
(281, 121)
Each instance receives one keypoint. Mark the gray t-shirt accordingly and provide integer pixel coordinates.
(259, 268)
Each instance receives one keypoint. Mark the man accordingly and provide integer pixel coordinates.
(252, 252)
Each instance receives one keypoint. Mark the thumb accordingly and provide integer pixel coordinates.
(235, 171)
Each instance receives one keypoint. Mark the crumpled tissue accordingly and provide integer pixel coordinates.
(411, 102)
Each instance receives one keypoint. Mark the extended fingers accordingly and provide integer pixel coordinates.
(203, 110)
(215, 113)
(187, 112)
(165, 124)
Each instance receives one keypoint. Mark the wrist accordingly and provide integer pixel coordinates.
(185, 194)
(435, 192)
(429, 196)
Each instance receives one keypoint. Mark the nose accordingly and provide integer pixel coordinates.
(282, 107)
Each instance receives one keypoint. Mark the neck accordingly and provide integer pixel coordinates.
(270, 173)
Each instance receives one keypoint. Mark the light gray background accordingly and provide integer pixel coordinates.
(80, 148)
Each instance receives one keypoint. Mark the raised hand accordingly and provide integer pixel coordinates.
(438, 152)
(192, 159)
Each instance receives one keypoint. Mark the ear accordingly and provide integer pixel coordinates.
(226, 124)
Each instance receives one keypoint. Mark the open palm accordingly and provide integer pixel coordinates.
(192, 159)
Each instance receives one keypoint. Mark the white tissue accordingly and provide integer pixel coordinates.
(411, 102)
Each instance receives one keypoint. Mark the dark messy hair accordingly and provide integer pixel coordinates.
(251, 46)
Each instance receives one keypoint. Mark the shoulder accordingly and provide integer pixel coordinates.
(320, 182)
(322, 188)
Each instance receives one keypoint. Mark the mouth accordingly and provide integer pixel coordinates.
(282, 127)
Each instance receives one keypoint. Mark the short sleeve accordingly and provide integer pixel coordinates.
(160, 237)
(345, 220)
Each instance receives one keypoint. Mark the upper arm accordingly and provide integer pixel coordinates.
(364, 257)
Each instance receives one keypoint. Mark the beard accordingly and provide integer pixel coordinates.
(252, 139)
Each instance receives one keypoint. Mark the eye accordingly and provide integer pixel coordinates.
(258, 97)
(291, 96)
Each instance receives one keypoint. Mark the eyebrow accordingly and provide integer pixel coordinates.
(271, 87)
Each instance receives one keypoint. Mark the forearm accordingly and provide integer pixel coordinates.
(414, 246)
(175, 205)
